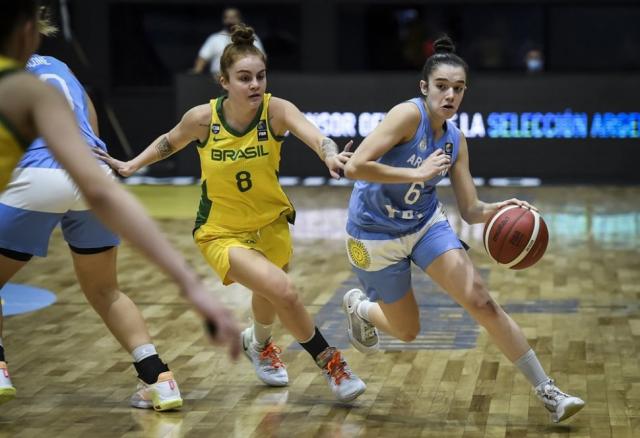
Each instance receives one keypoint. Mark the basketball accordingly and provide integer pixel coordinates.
(515, 237)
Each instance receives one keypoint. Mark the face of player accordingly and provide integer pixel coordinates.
(247, 81)
(445, 90)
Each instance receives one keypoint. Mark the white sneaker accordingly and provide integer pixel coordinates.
(343, 382)
(7, 391)
(560, 405)
(362, 334)
(161, 396)
(265, 359)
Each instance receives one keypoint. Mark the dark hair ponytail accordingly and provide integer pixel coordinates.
(444, 54)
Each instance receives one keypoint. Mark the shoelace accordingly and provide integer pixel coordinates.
(551, 390)
(336, 368)
(271, 351)
(369, 330)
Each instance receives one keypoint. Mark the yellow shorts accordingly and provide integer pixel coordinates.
(273, 241)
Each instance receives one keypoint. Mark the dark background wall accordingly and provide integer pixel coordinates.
(365, 56)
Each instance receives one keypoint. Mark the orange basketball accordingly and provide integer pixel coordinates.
(515, 237)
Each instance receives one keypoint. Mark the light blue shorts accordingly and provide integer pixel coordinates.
(383, 266)
(35, 202)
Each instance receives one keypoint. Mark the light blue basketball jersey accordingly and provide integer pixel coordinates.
(400, 209)
(56, 73)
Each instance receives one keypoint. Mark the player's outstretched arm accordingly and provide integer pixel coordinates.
(194, 126)
(287, 117)
(119, 210)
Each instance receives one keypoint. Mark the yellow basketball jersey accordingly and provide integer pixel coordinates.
(11, 145)
(240, 187)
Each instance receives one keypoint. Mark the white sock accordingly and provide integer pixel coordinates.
(362, 309)
(261, 332)
(1, 344)
(143, 351)
(530, 366)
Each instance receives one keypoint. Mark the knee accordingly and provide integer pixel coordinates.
(482, 304)
(285, 293)
(105, 293)
(409, 334)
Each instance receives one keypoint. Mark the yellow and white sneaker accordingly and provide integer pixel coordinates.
(7, 391)
(161, 396)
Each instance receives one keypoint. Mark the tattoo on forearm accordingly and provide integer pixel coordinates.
(328, 148)
(164, 148)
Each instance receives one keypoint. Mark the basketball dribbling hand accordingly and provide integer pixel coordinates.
(437, 163)
(516, 201)
(490, 209)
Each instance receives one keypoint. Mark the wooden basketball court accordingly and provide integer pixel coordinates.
(579, 307)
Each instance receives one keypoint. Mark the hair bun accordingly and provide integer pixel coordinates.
(444, 44)
(241, 34)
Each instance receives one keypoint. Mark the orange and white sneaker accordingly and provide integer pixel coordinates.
(7, 391)
(265, 359)
(161, 396)
(343, 382)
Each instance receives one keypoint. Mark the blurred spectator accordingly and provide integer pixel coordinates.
(534, 61)
(212, 49)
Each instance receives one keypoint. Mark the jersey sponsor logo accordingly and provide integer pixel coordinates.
(219, 138)
(448, 148)
(262, 130)
(238, 154)
(358, 253)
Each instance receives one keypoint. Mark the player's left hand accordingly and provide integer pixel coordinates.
(335, 163)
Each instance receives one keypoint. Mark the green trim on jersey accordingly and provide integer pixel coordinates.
(204, 208)
(229, 129)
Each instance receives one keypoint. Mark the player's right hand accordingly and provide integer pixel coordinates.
(123, 168)
(436, 163)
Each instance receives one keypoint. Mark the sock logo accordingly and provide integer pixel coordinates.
(172, 384)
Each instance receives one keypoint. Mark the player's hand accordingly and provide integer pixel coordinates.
(515, 201)
(335, 163)
(493, 208)
(436, 163)
(219, 321)
(122, 167)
